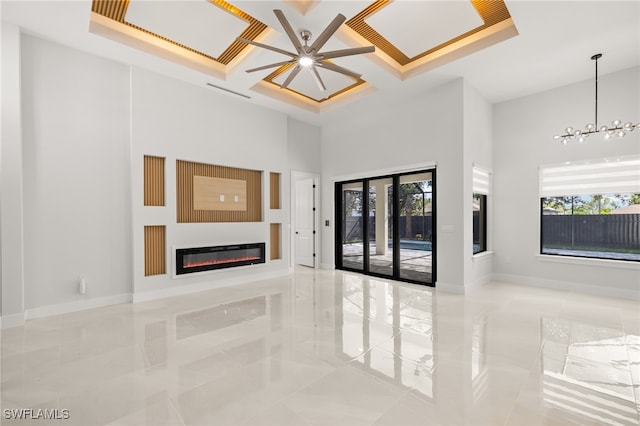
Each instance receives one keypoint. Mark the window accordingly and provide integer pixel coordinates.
(481, 186)
(591, 209)
(479, 223)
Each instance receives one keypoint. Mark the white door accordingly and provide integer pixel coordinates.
(305, 223)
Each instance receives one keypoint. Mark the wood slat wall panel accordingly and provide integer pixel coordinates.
(153, 181)
(186, 170)
(274, 190)
(274, 239)
(210, 193)
(154, 250)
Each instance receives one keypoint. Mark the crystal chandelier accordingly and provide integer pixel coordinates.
(615, 129)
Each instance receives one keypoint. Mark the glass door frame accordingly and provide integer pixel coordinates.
(395, 220)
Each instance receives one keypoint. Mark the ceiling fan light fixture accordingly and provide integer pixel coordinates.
(310, 57)
(305, 60)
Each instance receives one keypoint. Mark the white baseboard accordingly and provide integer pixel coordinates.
(180, 290)
(328, 266)
(475, 284)
(618, 293)
(14, 320)
(79, 305)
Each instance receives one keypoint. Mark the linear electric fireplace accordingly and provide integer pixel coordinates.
(198, 259)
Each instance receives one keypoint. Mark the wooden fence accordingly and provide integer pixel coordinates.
(620, 231)
(606, 231)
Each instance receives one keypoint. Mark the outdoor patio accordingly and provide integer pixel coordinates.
(415, 265)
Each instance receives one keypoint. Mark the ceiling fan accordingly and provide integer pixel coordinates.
(310, 57)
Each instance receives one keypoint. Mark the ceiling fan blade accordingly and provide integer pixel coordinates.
(347, 52)
(287, 29)
(337, 68)
(291, 76)
(264, 67)
(265, 46)
(327, 33)
(317, 79)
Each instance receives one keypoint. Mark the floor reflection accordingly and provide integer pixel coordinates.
(387, 329)
(210, 319)
(479, 368)
(155, 344)
(587, 372)
(330, 347)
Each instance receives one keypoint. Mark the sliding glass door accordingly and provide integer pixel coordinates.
(381, 226)
(416, 230)
(385, 226)
(352, 225)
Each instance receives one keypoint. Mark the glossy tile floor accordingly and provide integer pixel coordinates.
(326, 347)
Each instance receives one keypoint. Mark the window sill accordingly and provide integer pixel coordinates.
(485, 255)
(609, 263)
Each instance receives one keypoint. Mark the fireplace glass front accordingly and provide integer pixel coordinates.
(198, 259)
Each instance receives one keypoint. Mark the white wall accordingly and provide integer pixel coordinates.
(176, 120)
(303, 146)
(478, 152)
(73, 141)
(77, 212)
(523, 130)
(11, 181)
(426, 130)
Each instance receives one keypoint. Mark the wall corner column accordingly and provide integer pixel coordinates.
(11, 182)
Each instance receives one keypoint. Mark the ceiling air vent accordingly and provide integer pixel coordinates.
(229, 91)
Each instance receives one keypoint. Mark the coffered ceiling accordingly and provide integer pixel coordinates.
(203, 35)
(503, 48)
